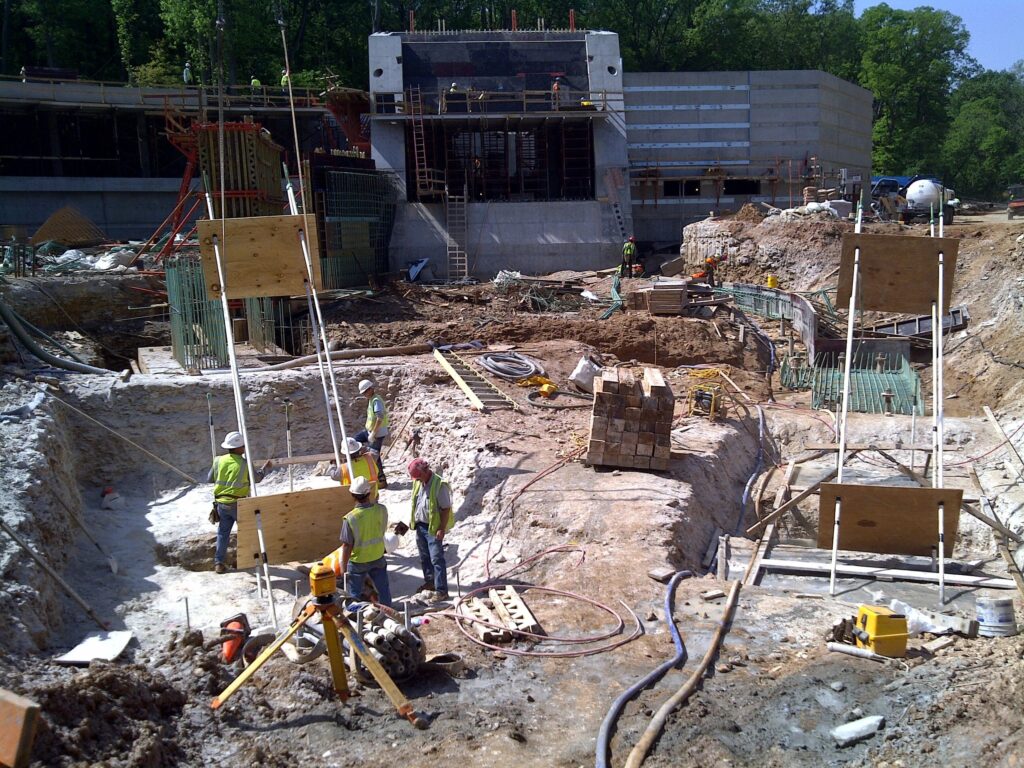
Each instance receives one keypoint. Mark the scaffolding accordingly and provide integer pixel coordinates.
(359, 213)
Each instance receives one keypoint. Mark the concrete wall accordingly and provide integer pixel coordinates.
(123, 208)
(749, 124)
(533, 238)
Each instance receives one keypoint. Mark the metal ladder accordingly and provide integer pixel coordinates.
(483, 396)
(455, 210)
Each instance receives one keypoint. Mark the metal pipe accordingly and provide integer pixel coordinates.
(288, 442)
(213, 437)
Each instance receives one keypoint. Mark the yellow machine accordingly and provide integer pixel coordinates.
(881, 630)
(704, 399)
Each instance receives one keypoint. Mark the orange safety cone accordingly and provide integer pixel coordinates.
(235, 632)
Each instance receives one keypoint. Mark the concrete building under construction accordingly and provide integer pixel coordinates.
(534, 151)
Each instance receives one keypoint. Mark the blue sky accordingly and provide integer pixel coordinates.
(996, 26)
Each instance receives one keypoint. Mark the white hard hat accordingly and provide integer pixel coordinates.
(233, 440)
(360, 487)
(364, 385)
(352, 446)
(391, 541)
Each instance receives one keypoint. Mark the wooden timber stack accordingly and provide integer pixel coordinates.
(631, 424)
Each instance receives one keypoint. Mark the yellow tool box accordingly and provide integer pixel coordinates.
(881, 630)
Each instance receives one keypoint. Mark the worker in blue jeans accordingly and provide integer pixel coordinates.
(376, 427)
(230, 476)
(432, 518)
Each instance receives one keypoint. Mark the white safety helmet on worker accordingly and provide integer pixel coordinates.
(360, 487)
(364, 385)
(233, 440)
(352, 446)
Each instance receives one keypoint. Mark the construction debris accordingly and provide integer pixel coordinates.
(858, 730)
(70, 227)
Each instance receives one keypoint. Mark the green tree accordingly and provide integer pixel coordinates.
(911, 61)
(977, 147)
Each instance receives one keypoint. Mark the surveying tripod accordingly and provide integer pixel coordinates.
(322, 585)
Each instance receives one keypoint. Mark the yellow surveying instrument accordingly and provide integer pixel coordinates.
(322, 586)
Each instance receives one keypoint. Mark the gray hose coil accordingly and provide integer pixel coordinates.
(510, 365)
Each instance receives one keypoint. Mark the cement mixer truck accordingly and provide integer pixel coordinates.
(926, 195)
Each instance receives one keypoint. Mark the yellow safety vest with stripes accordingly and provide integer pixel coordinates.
(370, 414)
(434, 512)
(230, 478)
(367, 525)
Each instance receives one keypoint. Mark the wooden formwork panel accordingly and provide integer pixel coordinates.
(18, 719)
(897, 273)
(301, 526)
(261, 256)
(888, 519)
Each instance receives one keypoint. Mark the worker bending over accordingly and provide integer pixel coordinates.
(376, 428)
(230, 477)
(432, 518)
(361, 553)
(364, 464)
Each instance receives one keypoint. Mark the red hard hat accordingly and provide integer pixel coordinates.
(632, 239)
(417, 467)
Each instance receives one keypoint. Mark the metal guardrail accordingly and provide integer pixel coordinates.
(498, 103)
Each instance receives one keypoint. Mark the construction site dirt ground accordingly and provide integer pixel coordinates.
(774, 692)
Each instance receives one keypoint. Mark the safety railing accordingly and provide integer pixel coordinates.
(474, 102)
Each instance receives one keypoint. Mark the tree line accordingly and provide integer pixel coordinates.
(936, 110)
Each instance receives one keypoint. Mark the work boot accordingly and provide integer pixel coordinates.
(426, 586)
(220, 568)
(439, 597)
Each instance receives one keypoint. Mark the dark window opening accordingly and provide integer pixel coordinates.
(532, 163)
(673, 188)
(741, 187)
(692, 188)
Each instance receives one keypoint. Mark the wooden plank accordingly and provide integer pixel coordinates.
(760, 553)
(476, 608)
(888, 519)
(899, 574)
(105, 646)
(709, 555)
(300, 526)
(897, 273)
(775, 514)
(999, 430)
(313, 458)
(261, 256)
(18, 720)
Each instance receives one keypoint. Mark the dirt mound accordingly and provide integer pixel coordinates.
(749, 213)
(120, 715)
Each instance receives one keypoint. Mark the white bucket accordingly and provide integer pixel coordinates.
(996, 617)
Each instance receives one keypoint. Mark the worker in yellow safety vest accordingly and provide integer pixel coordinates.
(230, 477)
(376, 427)
(363, 465)
(432, 517)
(628, 257)
(362, 550)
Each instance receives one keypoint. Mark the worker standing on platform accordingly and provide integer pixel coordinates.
(362, 550)
(364, 465)
(376, 427)
(230, 476)
(628, 257)
(186, 74)
(285, 78)
(432, 518)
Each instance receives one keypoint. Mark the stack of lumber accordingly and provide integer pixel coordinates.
(668, 298)
(632, 420)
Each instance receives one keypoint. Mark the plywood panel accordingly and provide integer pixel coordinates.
(18, 719)
(898, 273)
(888, 519)
(261, 256)
(299, 526)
